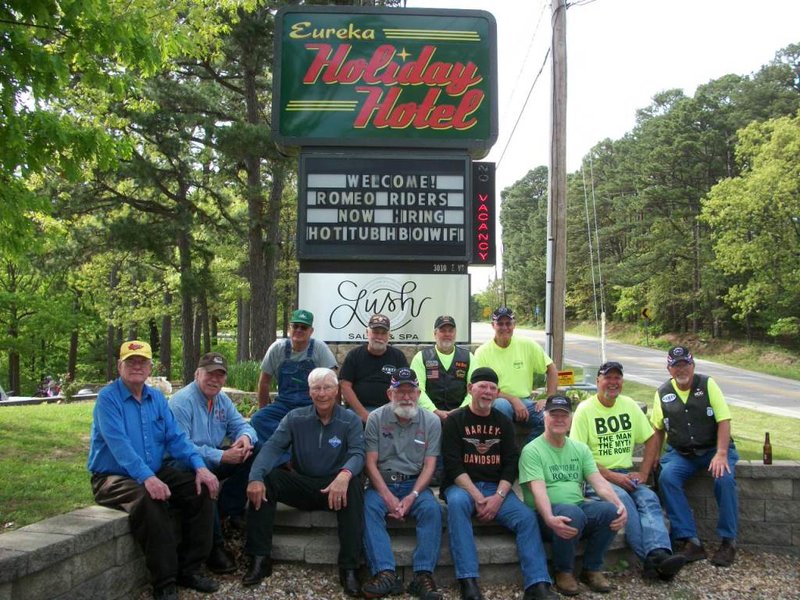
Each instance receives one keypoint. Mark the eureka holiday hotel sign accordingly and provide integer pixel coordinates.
(389, 78)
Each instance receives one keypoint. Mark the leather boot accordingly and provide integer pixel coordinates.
(469, 589)
(259, 568)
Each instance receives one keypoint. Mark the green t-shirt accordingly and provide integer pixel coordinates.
(515, 365)
(611, 432)
(562, 469)
(715, 399)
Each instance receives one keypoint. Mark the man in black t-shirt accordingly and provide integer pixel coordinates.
(367, 370)
(481, 461)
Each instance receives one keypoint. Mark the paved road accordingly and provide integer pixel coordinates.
(765, 393)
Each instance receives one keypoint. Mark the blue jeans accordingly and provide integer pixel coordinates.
(676, 470)
(513, 515)
(427, 512)
(645, 530)
(592, 519)
(535, 418)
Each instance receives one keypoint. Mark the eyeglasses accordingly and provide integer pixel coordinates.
(323, 388)
(136, 361)
(300, 326)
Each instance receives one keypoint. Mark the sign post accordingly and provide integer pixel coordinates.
(388, 108)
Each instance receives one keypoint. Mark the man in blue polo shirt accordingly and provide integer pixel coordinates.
(132, 428)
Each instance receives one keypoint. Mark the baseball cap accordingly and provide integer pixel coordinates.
(404, 375)
(444, 320)
(558, 402)
(610, 366)
(302, 316)
(483, 374)
(213, 361)
(379, 321)
(501, 312)
(679, 354)
(135, 348)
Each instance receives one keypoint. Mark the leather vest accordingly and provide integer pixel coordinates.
(691, 428)
(446, 388)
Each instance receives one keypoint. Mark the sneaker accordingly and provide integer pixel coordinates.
(724, 555)
(567, 584)
(596, 581)
(424, 587)
(385, 583)
(692, 552)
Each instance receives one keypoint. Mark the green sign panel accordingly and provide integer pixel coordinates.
(411, 78)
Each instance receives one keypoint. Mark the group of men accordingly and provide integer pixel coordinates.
(451, 414)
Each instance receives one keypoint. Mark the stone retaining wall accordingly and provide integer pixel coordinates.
(89, 553)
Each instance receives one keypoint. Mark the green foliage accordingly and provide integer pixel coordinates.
(244, 375)
(756, 223)
(523, 215)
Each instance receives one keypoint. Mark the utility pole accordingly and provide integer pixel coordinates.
(557, 190)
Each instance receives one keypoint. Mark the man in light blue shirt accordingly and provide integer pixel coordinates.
(132, 428)
(209, 418)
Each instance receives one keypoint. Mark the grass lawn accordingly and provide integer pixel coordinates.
(43, 453)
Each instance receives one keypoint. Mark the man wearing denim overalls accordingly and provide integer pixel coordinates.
(290, 360)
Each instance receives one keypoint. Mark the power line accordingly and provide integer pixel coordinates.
(518, 79)
(522, 110)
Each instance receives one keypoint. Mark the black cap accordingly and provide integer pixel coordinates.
(379, 321)
(483, 374)
(558, 402)
(444, 320)
(404, 375)
(679, 354)
(501, 312)
(610, 366)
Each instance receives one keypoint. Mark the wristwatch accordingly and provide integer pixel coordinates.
(501, 493)
(416, 493)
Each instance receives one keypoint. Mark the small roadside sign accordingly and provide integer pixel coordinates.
(566, 378)
(646, 313)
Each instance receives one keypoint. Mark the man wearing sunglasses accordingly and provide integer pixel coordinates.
(517, 360)
(611, 425)
(291, 361)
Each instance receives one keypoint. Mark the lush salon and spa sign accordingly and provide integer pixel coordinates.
(407, 78)
(342, 304)
(369, 207)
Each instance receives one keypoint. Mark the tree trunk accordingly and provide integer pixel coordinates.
(204, 324)
(272, 247)
(111, 337)
(72, 357)
(166, 338)
(242, 329)
(187, 291)
(257, 272)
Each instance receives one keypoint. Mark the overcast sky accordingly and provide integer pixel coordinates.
(619, 54)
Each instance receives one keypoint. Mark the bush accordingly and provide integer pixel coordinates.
(244, 375)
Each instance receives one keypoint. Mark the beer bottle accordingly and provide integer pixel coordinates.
(767, 450)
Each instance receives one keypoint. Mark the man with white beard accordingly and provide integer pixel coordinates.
(402, 444)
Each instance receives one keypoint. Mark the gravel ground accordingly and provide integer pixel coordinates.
(754, 575)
